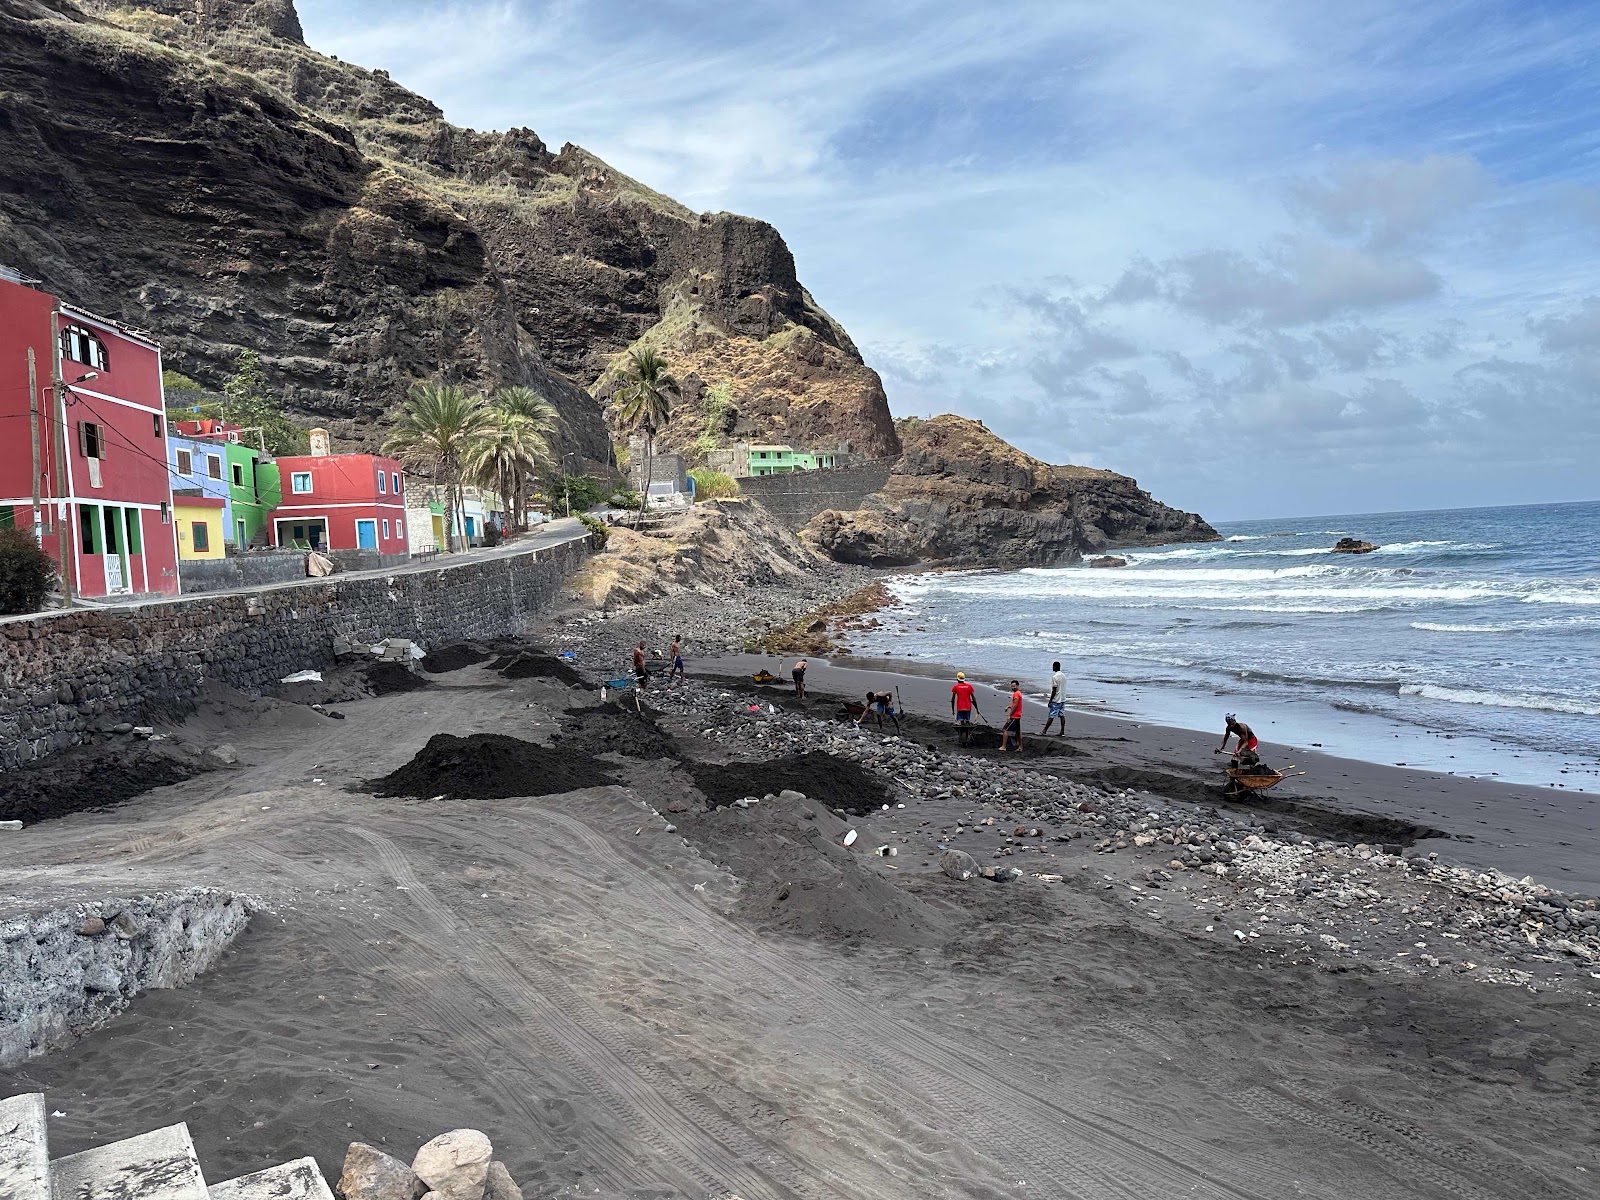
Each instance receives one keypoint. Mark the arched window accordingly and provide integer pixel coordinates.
(82, 346)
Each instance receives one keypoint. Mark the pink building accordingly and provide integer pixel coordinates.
(83, 426)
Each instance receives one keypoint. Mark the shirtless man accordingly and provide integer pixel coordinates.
(641, 673)
(880, 705)
(675, 653)
(1245, 752)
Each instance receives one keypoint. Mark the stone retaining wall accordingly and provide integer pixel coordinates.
(67, 677)
(800, 495)
(254, 568)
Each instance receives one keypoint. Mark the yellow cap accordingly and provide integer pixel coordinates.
(961, 674)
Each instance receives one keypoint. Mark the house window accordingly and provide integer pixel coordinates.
(81, 346)
(199, 537)
(185, 463)
(399, 529)
(386, 529)
(238, 474)
(395, 477)
(383, 483)
(214, 466)
(88, 534)
(300, 482)
(91, 440)
(157, 421)
(166, 513)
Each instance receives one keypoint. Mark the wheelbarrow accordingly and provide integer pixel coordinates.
(1243, 780)
(621, 686)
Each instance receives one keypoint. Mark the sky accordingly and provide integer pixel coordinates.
(1270, 259)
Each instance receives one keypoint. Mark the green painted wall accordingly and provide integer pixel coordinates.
(260, 492)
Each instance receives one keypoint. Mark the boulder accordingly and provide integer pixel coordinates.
(1106, 560)
(500, 1185)
(958, 864)
(1350, 545)
(370, 1174)
(455, 1165)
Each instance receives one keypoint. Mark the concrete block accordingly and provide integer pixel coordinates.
(159, 1165)
(24, 1149)
(298, 1180)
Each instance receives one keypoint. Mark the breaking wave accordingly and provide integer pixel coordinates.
(1557, 704)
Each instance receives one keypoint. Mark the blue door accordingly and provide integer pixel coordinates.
(366, 535)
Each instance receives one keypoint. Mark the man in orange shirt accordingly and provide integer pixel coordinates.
(1013, 723)
(963, 703)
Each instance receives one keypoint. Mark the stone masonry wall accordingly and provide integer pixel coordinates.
(66, 677)
(257, 568)
(800, 495)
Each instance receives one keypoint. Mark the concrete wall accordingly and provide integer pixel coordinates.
(800, 495)
(67, 677)
(258, 568)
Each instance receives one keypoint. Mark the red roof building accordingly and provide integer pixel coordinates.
(83, 430)
(341, 501)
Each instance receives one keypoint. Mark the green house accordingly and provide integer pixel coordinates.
(254, 488)
(770, 459)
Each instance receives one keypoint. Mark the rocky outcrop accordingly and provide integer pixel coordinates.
(193, 168)
(962, 495)
(1350, 545)
(718, 546)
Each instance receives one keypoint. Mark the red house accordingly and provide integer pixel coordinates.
(83, 444)
(341, 501)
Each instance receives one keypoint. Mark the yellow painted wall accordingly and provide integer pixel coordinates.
(187, 518)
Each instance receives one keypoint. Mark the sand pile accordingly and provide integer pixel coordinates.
(537, 666)
(798, 877)
(611, 728)
(489, 766)
(453, 658)
(835, 782)
(382, 678)
(94, 777)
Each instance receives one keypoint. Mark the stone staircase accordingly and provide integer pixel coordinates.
(159, 1165)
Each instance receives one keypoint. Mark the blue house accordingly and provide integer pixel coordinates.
(201, 464)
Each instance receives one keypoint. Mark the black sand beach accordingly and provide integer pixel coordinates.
(636, 993)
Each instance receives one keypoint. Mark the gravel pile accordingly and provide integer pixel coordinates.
(489, 766)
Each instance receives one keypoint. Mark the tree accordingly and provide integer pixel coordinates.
(438, 425)
(26, 572)
(245, 403)
(519, 447)
(644, 402)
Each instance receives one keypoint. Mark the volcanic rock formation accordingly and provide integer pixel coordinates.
(962, 495)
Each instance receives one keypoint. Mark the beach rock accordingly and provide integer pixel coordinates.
(1350, 545)
(1106, 560)
(224, 754)
(92, 927)
(958, 864)
(370, 1174)
(500, 1185)
(455, 1165)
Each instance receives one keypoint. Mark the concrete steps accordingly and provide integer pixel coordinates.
(159, 1165)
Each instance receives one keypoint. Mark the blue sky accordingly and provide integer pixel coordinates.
(1269, 258)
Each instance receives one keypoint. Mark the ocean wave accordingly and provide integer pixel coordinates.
(1250, 537)
(1567, 595)
(1558, 704)
(1574, 622)
(1447, 627)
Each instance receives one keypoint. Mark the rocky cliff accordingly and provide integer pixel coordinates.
(961, 495)
(193, 168)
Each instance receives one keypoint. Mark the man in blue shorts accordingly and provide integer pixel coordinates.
(675, 653)
(1057, 710)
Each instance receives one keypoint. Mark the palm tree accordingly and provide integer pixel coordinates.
(644, 403)
(504, 455)
(524, 422)
(438, 424)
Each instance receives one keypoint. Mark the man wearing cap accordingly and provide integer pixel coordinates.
(1244, 754)
(963, 700)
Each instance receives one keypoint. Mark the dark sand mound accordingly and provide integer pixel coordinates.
(611, 728)
(799, 879)
(93, 777)
(382, 678)
(453, 658)
(835, 782)
(352, 681)
(537, 666)
(489, 766)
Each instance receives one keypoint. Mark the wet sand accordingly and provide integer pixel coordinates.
(1552, 835)
(605, 998)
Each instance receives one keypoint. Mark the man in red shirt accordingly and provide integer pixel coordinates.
(1013, 723)
(963, 702)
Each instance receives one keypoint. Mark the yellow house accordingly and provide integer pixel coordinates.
(200, 526)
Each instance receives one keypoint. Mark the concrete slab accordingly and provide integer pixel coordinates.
(159, 1165)
(298, 1180)
(24, 1148)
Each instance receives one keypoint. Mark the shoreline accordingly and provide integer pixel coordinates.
(1549, 834)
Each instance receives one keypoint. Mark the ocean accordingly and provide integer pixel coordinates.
(1469, 643)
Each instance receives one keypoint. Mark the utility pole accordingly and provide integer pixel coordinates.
(33, 434)
(66, 557)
